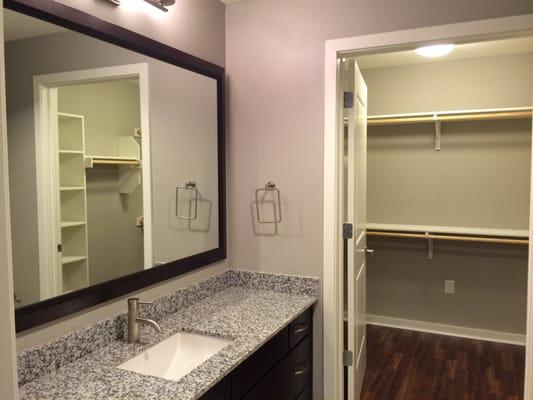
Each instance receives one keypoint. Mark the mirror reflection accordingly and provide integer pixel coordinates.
(112, 160)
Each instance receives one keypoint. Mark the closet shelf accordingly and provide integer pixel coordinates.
(479, 239)
(70, 152)
(479, 235)
(71, 188)
(451, 230)
(72, 259)
(451, 116)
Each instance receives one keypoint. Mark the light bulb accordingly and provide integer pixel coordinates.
(436, 50)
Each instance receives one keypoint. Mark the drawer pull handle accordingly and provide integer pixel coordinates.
(302, 328)
(301, 371)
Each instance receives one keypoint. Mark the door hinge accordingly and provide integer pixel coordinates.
(347, 231)
(348, 99)
(59, 248)
(347, 358)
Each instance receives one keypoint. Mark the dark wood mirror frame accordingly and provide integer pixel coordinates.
(48, 310)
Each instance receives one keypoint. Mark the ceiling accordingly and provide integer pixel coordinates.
(19, 26)
(462, 51)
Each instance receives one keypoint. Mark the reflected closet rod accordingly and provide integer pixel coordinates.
(457, 238)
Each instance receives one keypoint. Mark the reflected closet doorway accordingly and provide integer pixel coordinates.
(68, 172)
(350, 353)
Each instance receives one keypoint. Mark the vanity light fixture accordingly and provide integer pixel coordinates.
(161, 4)
(436, 50)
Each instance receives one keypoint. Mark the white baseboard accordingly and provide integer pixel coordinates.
(449, 330)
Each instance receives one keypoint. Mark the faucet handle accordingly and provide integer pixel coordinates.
(136, 300)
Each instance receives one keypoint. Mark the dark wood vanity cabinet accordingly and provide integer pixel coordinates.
(281, 369)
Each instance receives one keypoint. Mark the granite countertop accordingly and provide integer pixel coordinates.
(247, 311)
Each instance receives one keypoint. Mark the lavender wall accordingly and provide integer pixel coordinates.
(275, 63)
(193, 26)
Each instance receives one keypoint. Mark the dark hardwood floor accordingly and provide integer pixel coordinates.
(407, 365)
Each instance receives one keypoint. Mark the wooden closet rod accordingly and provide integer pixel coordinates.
(457, 238)
(466, 116)
(103, 161)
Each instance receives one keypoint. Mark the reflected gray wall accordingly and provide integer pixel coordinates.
(111, 109)
(43, 55)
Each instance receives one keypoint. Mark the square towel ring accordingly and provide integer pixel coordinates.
(189, 186)
(270, 187)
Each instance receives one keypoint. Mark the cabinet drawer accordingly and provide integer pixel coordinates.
(288, 378)
(299, 328)
(258, 364)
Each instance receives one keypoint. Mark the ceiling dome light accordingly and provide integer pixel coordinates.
(436, 50)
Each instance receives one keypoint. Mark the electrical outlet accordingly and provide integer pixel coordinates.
(449, 287)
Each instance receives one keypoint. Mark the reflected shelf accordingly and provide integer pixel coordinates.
(72, 224)
(72, 259)
(71, 188)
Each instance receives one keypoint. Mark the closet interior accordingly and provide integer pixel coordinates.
(448, 183)
(100, 181)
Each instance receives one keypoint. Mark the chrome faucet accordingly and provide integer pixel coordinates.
(134, 321)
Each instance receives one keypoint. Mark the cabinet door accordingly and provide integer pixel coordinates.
(258, 364)
(288, 378)
(221, 391)
(300, 328)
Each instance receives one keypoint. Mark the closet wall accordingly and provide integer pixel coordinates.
(111, 109)
(480, 179)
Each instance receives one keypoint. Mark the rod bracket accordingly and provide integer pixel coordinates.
(430, 246)
(438, 131)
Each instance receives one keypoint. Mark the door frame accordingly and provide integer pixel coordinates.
(332, 239)
(45, 88)
(8, 345)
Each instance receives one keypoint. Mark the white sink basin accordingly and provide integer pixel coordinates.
(176, 356)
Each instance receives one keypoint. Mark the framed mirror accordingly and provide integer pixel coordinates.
(116, 149)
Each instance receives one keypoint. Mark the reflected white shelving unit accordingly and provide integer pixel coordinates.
(74, 266)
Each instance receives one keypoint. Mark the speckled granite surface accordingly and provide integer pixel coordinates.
(248, 308)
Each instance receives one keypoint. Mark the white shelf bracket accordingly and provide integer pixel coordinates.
(438, 130)
(430, 247)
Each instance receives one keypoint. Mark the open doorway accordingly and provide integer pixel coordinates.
(93, 176)
(447, 222)
(433, 173)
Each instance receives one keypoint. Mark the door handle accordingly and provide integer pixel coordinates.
(301, 328)
(301, 371)
(369, 251)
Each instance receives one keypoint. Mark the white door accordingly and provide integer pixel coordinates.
(356, 242)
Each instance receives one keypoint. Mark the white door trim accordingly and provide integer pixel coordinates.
(44, 86)
(483, 29)
(8, 348)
